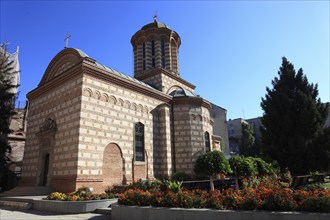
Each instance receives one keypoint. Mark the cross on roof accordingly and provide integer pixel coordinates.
(155, 17)
(67, 40)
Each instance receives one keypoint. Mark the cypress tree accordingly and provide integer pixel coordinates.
(7, 100)
(293, 122)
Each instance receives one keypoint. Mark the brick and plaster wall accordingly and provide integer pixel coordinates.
(190, 123)
(62, 104)
(108, 116)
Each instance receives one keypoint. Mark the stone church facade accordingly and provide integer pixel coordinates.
(90, 125)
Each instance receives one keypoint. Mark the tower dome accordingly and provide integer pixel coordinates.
(155, 24)
(155, 47)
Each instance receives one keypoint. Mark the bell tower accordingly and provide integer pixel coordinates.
(155, 47)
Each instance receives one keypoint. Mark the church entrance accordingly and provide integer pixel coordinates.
(112, 165)
(43, 178)
(45, 171)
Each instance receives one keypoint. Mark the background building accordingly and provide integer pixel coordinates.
(219, 116)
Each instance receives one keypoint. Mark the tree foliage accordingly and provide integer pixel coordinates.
(7, 100)
(293, 122)
(263, 168)
(247, 139)
(243, 166)
(211, 163)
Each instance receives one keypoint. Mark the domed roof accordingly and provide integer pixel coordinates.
(182, 93)
(155, 24)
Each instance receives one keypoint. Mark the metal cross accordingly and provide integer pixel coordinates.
(67, 40)
(155, 17)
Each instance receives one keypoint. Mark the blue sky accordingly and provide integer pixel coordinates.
(231, 50)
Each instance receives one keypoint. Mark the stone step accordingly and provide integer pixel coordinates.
(27, 191)
(16, 205)
(105, 211)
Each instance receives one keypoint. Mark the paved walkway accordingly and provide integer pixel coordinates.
(41, 215)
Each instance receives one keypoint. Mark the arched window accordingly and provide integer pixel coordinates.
(139, 142)
(153, 53)
(163, 54)
(144, 56)
(207, 141)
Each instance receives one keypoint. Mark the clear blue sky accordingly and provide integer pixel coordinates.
(230, 50)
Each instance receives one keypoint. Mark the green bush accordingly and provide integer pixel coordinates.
(243, 166)
(180, 176)
(141, 184)
(263, 168)
(261, 194)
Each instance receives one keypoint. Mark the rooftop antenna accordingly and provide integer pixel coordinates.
(155, 17)
(67, 40)
(243, 113)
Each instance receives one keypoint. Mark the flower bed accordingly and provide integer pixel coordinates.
(82, 194)
(77, 202)
(72, 206)
(264, 194)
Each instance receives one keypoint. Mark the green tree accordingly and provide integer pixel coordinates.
(211, 163)
(293, 122)
(7, 100)
(247, 139)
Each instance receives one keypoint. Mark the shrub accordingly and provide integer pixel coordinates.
(135, 197)
(317, 201)
(280, 200)
(141, 184)
(249, 199)
(263, 168)
(214, 200)
(259, 194)
(243, 166)
(180, 176)
(116, 189)
(312, 187)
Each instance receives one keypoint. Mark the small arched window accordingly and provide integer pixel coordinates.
(153, 54)
(144, 56)
(163, 53)
(207, 141)
(139, 142)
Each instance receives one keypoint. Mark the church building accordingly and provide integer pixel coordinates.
(90, 125)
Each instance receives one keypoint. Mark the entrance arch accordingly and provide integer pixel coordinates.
(112, 171)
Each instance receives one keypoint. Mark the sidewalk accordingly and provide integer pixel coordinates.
(41, 215)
